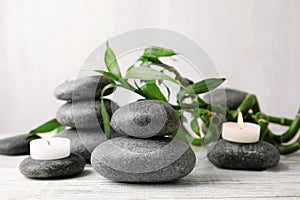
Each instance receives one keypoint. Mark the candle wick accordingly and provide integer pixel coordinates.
(48, 142)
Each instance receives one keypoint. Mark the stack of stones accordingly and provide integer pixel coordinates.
(82, 113)
(144, 153)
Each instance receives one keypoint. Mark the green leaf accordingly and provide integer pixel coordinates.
(195, 126)
(200, 102)
(108, 74)
(156, 52)
(152, 90)
(194, 122)
(204, 85)
(144, 73)
(105, 115)
(205, 116)
(197, 141)
(47, 127)
(61, 128)
(106, 120)
(111, 62)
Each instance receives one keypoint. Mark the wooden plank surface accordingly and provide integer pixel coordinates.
(205, 182)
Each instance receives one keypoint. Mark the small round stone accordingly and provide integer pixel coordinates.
(256, 156)
(129, 159)
(16, 145)
(87, 88)
(83, 142)
(84, 114)
(225, 97)
(145, 119)
(42, 169)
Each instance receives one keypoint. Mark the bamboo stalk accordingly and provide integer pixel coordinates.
(280, 120)
(248, 103)
(286, 149)
(263, 121)
(291, 132)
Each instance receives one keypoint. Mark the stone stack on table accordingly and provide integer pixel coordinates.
(144, 153)
(82, 112)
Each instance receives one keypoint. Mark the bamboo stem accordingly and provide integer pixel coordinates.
(281, 121)
(263, 121)
(291, 132)
(286, 149)
(248, 103)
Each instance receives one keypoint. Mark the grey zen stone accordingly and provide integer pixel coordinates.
(83, 142)
(84, 114)
(129, 159)
(228, 97)
(17, 145)
(42, 169)
(256, 156)
(145, 119)
(87, 88)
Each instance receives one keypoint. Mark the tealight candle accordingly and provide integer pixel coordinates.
(50, 149)
(240, 132)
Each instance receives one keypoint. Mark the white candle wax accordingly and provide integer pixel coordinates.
(248, 133)
(50, 149)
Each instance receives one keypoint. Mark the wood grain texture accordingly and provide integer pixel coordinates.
(205, 182)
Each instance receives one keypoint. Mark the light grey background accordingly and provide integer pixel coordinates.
(254, 44)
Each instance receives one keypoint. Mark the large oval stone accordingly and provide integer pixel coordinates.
(41, 169)
(83, 142)
(16, 145)
(145, 119)
(256, 156)
(228, 97)
(84, 88)
(128, 159)
(84, 114)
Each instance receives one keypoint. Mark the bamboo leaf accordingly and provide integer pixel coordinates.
(195, 126)
(197, 141)
(108, 74)
(61, 128)
(204, 86)
(200, 102)
(47, 127)
(152, 90)
(106, 120)
(144, 73)
(111, 62)
(156, 52)
(104, 114)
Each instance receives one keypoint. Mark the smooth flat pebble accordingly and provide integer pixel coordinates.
(128, 159)
(16, 145)
(43, 169)
(225, 97)
(84, 114)
(87, 88)
(256, 156)
(83, 142)
(145, 119)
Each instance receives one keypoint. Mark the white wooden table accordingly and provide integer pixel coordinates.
(205, 182)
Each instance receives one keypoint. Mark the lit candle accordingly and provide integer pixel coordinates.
(50, 149)
(240, 132)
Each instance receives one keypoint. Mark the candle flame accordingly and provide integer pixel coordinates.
(240, 120)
